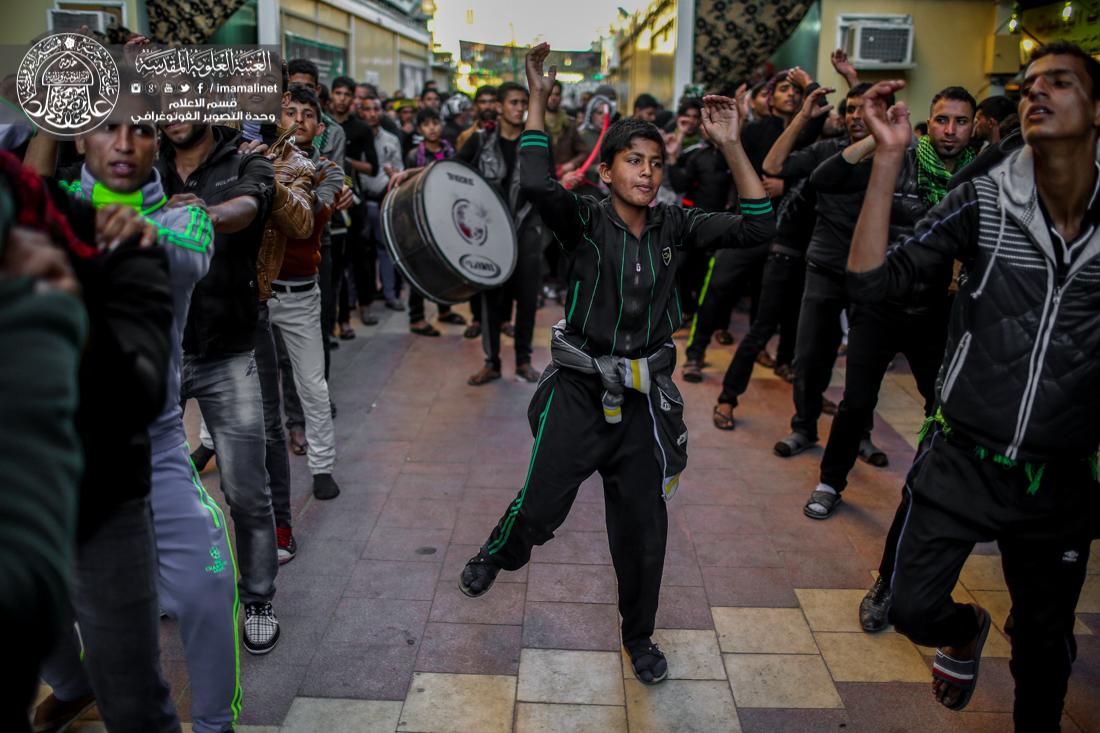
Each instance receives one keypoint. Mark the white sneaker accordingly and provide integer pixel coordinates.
(261, 628)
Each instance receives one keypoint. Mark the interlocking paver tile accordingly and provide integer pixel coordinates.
(831, 609)
(763, 631)
(860, 657)
(571, 583)
(503, 604)
(394, 579)
(983, 572)
(319, 715)
(440, 703)
(562, 676)
(588, 626)
(766, 720)
(542, 718)
(780, 681)
(470, 649)
(764, 587)
(691, 654)
(890, 706)
(684, 608)
(684, 706)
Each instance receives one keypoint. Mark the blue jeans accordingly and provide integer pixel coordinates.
(115, 601)
(228, 392)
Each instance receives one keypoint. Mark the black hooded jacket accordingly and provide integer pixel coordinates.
(225, 304)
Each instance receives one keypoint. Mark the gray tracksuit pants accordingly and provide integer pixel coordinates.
(197, 586)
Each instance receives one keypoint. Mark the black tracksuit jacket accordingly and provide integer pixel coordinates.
(622, 297)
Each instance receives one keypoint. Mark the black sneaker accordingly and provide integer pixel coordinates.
(478, 575)
(649, 664)
(261, 628)
(324, 487)
(875, 606)
(201, 456)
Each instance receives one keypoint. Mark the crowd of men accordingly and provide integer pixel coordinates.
(225, 266)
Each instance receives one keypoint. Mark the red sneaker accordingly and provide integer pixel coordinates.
(288, 548)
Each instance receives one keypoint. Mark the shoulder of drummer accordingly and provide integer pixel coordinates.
(566, 213)
(292, 208)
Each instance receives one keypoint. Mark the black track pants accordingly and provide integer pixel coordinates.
(572, 441)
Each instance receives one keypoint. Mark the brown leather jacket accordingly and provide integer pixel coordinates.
(291, 211)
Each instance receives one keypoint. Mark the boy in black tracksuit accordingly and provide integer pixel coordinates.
(607, 403)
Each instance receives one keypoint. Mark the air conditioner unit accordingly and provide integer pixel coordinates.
(877, 41)
(70, 21)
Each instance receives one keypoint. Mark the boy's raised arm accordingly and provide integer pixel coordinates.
(560, 210)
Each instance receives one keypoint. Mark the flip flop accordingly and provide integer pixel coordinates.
(722, 421)
(961, 674)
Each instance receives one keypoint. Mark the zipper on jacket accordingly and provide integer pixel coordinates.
(955, 366)
(1035, 369)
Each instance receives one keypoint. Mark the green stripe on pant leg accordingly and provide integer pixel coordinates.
(506, 527)
(219, 521)
(702, 297)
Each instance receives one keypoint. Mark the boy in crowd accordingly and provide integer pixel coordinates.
(432, 147)
(608, 403)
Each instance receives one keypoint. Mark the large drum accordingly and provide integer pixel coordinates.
(449, 232)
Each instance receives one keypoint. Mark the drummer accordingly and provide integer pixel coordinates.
(495, 154)
(607, 403)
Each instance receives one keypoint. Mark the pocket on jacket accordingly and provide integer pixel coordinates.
(955, 366)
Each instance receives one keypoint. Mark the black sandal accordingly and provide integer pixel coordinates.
(426, 330)
(721, 420)
(453, 318)
(826, 500)
(649, 664)
(793, 444)
(472, 331)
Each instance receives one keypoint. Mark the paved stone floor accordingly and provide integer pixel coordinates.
(758, 610)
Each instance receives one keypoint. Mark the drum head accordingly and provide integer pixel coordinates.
(469, 223)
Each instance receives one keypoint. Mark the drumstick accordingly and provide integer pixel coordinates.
(595, 151)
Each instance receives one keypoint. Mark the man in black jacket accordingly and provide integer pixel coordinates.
(200, 165)
(1010, 454)
(824, 296)
(733, 273)
(877, 334)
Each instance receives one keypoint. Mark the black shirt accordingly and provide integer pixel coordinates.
(470, 150)
(360, 143)
(225, 304)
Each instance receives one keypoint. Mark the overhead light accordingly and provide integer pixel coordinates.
(1067, 12)
(1013, 24)
(1028, 44)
